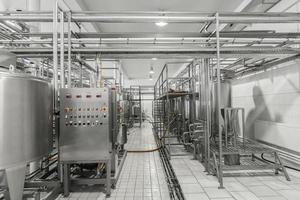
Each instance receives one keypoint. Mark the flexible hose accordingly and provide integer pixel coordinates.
(144, 151)
(286, 166)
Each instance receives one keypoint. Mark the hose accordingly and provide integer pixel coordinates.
(144, 151)
(286, 166)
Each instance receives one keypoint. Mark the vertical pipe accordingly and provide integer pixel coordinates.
(194, 90)
(35, 5)
(47, 72)
(199, 87)
(80, 77)
(168, 110)
(69, 50)
(243, 123)
(66, 182)
(189, 90)
(62, 58)
(218, 101)
(226, 125)
(208, 111)
(55, 58)
(140, 100)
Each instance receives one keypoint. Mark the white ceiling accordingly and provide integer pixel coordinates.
(139, 69)
(166, 5)
(157, 5)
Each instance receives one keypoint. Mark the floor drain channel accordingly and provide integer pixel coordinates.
(174, 187)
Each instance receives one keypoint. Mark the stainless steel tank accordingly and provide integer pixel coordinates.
(6, 60)
(225, 101)
(25, 119)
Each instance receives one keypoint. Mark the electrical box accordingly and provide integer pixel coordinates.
(85, 124)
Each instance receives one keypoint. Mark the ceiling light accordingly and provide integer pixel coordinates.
(154, 58)
(161, 24)
(151, 70)
(150, 77)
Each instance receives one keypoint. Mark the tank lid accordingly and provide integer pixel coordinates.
(21, 75)
(7, 58)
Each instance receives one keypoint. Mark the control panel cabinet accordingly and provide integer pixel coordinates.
(85, 124)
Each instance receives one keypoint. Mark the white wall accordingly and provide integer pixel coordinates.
(272, 103)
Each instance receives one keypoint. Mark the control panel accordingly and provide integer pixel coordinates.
(85, 126)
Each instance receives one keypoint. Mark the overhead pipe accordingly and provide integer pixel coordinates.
(168, 35)
(150, 18)
(164, 49)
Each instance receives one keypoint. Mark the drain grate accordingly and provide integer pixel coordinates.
(174, 187)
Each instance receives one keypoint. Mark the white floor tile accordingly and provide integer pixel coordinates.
(244, 196)
(290, 194)
(217, 193)
(262, 191)
(201, 196)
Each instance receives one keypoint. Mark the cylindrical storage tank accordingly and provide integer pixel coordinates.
(225, 101)
(7, 59)
(25, 119)
(123, 139)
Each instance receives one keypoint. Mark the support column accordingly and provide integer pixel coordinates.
(62, 56)
(218, 101)
(69, 50)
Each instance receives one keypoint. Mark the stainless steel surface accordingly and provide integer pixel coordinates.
(85, 124)
(55, 55)
(225, 101)
(25, 119)
(69, 50)
(7, 59)
(62, 51)
(161, 49)
(134, 17)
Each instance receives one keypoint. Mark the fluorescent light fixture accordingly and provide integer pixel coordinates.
(161, 24)
(151, 70)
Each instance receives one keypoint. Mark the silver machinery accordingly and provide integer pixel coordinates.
(89, 129)
(85, 127)
(25, 126)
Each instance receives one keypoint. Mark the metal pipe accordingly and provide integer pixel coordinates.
(62, 58)
(219, 100)
(55, 56)
(160, 49)
(69, 50)
(223, 34)
(148, 18)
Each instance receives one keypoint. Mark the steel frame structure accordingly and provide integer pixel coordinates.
(135, 96)
(170, 94)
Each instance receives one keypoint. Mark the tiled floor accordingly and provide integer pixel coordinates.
(142, 176)
(196, 184)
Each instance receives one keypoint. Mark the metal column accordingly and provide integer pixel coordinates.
(218, 101)
(69, 50)
(62, 57)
